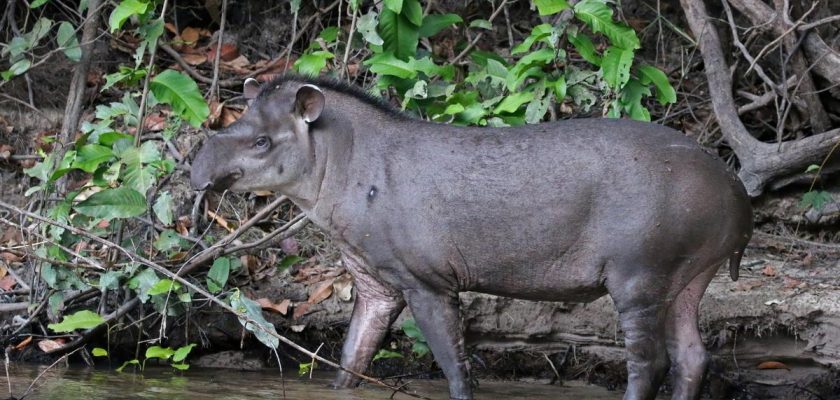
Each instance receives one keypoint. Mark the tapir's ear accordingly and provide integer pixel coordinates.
(250, 89)
(309, 102)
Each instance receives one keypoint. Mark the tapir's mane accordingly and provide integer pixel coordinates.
(334, 85)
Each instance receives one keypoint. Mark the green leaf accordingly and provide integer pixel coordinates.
(383, 354)
(816, 199)
(84, 319)
(124, 11)
(182, 352)
(38, 3)
(127, 363)
(265, 332)
(163, 208)
(599, 17)
(559, 87)
(305, 368)
(163, 286)
(108, 204)
(142, 282)
(512, 102)
(420, 349)
(162, 353)
(387, 64)
(181, 367)
(39, 30)
(549, 7)
(139, 178)
(413, 12)
(399, 34)
(394, 5)
(409, 327)
(18, 68)
(168, 240)
(110, 280)
(311, 64)
(67, 39)
(288, 261)
(217, 277)
(665, 93)
(89, 156)
(481, 23)
(615, 67)
(367, 27)
(583, 44)
(812, 168)
(329, 34)
(538, 33)
(181, 92)
(99, 352)
(432, 24)
(631, 100)
(41, 170)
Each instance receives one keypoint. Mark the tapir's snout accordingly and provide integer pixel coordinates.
(208, 170)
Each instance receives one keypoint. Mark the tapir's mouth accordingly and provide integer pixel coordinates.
(221, 183)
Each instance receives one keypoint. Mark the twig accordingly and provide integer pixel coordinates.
(62, 247)
(159, 269)
(478, 37)
(32, 385)
(826, 20)
(12, 307)
(225, 83)
(214, 88)
(142, 117)
(347, 45)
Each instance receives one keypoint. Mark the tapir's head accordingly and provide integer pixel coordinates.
(268, 147)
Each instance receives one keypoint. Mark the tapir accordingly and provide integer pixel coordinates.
(562, 211)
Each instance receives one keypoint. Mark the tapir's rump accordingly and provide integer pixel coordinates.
(563, 211)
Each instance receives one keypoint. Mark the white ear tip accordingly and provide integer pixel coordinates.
(251, 81)
(313, 87)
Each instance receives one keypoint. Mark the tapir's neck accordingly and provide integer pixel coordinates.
(332, 145)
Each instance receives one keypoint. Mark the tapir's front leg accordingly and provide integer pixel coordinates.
(439, 318)
(376, 308)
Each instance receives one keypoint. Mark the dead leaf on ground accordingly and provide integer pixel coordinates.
(768, 270)
(9, 258)
(229, 116)
(791, 283)
(190, 35)
(343, 287)
(155, 122)
(213, 120)
(219, 220)
(3, 271)
(321, 292)
(171, 28)
(182, 225)
(300, 310)
(48, 345)
(747, 285)
(238, 65)
(194, 59)
(773, 365)
(7, 283)
(23, 343)
(11, 237)
(281, 307)
(229, 52)
(263, 193)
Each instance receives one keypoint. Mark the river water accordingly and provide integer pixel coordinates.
(74, 383)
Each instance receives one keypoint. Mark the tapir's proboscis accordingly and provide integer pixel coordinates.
(561, 211)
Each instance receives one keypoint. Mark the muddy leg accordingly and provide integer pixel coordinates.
(685, 346)
(438, 317)
(647, 359)
(376, 308)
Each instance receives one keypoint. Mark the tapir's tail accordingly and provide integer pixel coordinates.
(734, 263)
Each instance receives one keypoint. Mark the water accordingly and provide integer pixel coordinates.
(74, 383)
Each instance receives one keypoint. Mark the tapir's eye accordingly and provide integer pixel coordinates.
(262, 142)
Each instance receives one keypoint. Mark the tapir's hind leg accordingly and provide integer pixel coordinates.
(685, 346)
(642, 317)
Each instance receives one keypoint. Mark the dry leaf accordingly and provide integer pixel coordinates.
(171, 28)
(768, 270)
(229, 52)
(746, 285)
(219, 220)
(194, 59)
(281, 307)
(300, 310)
(9, 258)
(263, 193)
(23, 343)
(11, 236)
(773, 365)
(190, 35)
(213, 119)
(48, 345)
(3, 271)
(7, 283)
(182, 225)
(250, 262)
(229, 116)
(322, 292)
(791, 283)
(155, 122)
(343, 287)
(238, 64)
